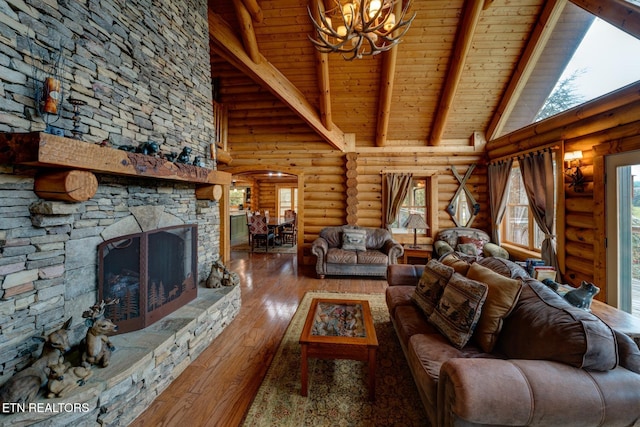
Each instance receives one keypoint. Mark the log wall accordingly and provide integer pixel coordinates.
(599, 128)
(326, 174)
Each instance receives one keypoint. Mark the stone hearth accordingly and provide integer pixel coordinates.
(144, 363)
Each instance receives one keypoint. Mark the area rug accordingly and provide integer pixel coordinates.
(337, 389)
(284, 249)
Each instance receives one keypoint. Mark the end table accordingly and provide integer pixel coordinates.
(421, 252)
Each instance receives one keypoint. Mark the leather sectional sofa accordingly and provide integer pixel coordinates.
(355, 251)
(552, 364)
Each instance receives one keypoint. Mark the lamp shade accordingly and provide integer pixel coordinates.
(415, 221)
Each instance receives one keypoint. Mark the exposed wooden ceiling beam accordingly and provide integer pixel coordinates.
(386, 88)
(535, 46)
(322, 61)
(620, 13)
(254, 9)
(227, 45)
(246, 31)
(472, 11)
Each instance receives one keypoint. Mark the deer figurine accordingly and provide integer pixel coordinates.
(24, 385)
(98, 348)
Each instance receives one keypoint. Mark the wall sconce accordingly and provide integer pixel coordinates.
(572, 160)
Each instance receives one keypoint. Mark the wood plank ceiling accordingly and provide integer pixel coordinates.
(456, 71)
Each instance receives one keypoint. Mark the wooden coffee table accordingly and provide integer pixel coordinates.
(339, 329)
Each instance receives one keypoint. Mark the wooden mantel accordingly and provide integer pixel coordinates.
(42, 150)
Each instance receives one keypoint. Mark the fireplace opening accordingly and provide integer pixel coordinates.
(151, 273)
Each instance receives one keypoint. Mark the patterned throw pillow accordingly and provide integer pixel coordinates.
(502, 296)
(431, 285)
(354, 240)
(467, 249)
(459, 309)
(477, 242)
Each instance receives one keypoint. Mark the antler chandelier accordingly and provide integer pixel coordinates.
(359, 28)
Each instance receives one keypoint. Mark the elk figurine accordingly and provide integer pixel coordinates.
(98, 348)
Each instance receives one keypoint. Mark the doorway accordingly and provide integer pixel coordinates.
(623, 230)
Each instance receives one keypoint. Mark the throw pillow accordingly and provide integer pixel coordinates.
(467, 249)
(477, 242)
(452, 259)
(431, 285)
(459, 309)
(544, 326)
(502, 295)
(354, 240)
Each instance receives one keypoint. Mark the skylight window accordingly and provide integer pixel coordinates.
(606, 59)
(583, 59)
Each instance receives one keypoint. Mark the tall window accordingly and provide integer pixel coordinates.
(518, 226)
(415, 202)
(287, 199)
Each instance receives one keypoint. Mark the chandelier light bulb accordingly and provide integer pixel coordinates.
(348, 10)
(342, 31)
(374, 7)
(390, 22)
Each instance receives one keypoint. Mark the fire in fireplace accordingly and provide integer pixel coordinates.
(151, 273)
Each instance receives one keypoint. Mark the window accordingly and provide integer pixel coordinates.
(415, 202)
(287, 199)
(518, 225)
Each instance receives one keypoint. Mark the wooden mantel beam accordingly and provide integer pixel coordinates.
(228, 46)
(246, 30)
(386, 89)
(536, 45)
(472, 11)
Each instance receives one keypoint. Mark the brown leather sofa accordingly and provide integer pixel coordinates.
(376, 251)
(542, 387)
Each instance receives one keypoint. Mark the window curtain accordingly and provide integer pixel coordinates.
(396, 189)
(498, 182)
(537, 175)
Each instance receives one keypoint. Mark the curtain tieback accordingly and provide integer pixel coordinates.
(549, 236)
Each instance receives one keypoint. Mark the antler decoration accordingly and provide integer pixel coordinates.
(357, 28)
(97, 310)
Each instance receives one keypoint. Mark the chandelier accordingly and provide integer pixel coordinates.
(359, 28)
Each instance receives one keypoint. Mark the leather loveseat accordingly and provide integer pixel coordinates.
(552, 364)
(355, 251)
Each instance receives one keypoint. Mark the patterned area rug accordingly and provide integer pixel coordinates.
(338, 394)
(284, 249)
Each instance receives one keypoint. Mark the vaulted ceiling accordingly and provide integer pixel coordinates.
(453, 80)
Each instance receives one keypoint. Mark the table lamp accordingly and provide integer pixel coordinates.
(415, 222)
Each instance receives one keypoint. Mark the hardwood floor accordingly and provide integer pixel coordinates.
(217, 389)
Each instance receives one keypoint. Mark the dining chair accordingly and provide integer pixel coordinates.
(290, 230)
(260, 232)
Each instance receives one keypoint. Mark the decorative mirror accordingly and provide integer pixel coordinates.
(463, 207)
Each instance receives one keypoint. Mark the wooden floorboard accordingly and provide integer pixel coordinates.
(217, 389)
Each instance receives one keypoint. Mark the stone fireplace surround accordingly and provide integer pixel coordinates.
(48, 271)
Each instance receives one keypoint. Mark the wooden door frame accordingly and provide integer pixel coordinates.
(299, 173)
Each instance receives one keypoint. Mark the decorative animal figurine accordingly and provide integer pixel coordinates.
(171, 157)
(63, 379)
(149, 148)
(221, 276)
(198, 161)
(582, 296)
(24, 386)
(98, 347)
(129, 148)
(184, 156)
